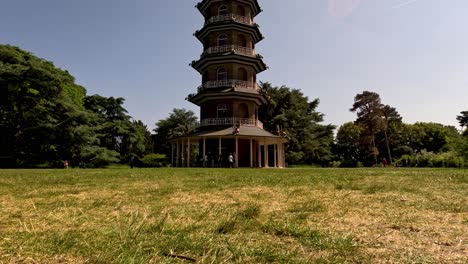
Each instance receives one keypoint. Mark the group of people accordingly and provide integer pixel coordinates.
(217, 161)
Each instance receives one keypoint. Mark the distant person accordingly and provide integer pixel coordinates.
(132, 161)
(231, 160)
(65, 164)
(236, 130)
(219, 161)
(384, 162)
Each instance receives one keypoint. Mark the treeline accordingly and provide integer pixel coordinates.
(46, 119)
(379, 136)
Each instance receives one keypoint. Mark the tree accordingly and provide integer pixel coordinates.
(463, 119)
(39, 105)
(116, 129)
(347, 147)
(43, 119)
(369, 110)
(179, 123)
(392, 122)
(292, 113)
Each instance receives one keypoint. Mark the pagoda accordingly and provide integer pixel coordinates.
(229, 96)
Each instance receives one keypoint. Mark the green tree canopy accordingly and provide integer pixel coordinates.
(292, 113)
(463, 119)
(44, 116)
(347, 144)
(369, 109)
(39, 105)
(179, 123)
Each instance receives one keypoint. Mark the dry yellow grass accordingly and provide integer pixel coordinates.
(234, 216)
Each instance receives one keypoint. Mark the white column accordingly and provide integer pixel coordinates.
(172, 154)
(188, 153)
(275, 152)
(237, 153)
(265, 152)
(178, 153)
(219, 147)
(204, 153)
(259, 155)
(251, 153)
(283, 153)
(280, 155)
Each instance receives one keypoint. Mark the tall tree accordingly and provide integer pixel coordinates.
(392, 122)
(116, 130)
(39, 105)
(179, 123)
(43, 119)
(369, 110)
(347, 147)
(463, 119)
(293, 114)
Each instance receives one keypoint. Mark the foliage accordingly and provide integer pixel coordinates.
(347, 144)
(40, 105)
(384, 135)
(291, 113)
(369, 110)
(463, 119)
(44, 116)
(179, 123)
(430, 159)
(153, 161)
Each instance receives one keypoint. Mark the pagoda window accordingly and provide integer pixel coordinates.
(242, 74)
(222, 40)
(241, 40)
(240, 10)
(222, 111)
(243, 111)
(222, 74)
(222, 10)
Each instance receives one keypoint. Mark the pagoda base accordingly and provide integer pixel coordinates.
(251, 147)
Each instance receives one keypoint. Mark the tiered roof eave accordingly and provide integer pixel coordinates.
(205, 61)
(252, 30)
(255, 6)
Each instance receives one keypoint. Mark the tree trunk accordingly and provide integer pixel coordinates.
(374, 150)
(388, 148)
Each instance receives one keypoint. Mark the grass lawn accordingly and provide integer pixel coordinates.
(299, 215)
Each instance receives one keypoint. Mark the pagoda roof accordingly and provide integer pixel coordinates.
(243, 131)
(252, 30)
(227, 132)
(229, 57)
(255, 7)
(228, 93)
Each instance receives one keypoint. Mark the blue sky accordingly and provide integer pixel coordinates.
(414, 53)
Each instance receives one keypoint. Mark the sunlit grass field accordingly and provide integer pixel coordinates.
(301, 215)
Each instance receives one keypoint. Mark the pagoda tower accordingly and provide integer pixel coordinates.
(229, 96)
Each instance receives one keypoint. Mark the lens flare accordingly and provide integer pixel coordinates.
(342, 8)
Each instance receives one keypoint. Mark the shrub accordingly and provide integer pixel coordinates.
(430, 159)
(425, 159)
(153, 161)
(406, 161)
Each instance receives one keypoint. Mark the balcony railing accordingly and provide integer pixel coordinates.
(229, 84)
(230, 17)
(231, 48)
(231, 121)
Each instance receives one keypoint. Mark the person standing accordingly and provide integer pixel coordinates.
(384, 162)
(231, 160)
